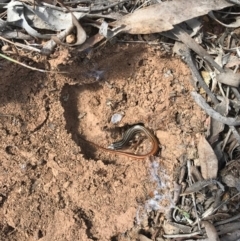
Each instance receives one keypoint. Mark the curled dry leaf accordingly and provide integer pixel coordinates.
(81, 34)
(208, 159)
(235, 24)
(211, 231)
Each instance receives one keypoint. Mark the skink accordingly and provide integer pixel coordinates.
(114, 147)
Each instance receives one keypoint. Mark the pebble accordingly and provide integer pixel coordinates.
(116, 118)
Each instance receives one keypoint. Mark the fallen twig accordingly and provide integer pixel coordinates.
(188, 58)
(85, 9)
(211, 112)
(228, 220)
(30, 48)
(191, 43)
(197, 186)
(187, 235)
(193, 196)
(27, 66)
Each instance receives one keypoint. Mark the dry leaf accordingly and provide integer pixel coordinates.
(208, 159)
(197, 186)
(229, 229)
(229, 78)
(206, 77)
(162, 16)
(231, 174)
(235, 24)
(211, 231)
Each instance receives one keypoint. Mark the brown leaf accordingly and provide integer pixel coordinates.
(229, 78)
(211, 231)
(161, 17)
(208, 159)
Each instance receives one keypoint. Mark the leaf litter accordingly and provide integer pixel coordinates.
(205, 193)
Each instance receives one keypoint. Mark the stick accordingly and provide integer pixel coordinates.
(188, 58)
(186, 39)
(211, 112)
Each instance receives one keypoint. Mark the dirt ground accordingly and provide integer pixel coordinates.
(54, 185)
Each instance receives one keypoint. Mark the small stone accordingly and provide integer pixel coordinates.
(66, 185)
(71, 39)
(116, 118)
